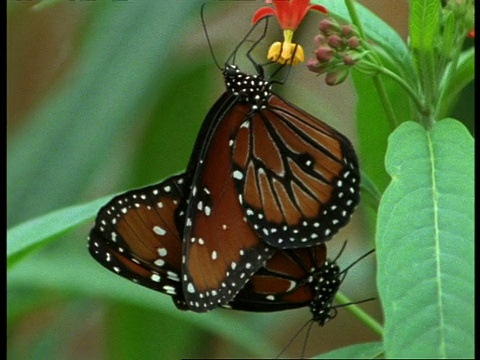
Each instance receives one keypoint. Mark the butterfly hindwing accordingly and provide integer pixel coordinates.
(291, 279)
(297, 176)
(135, 236)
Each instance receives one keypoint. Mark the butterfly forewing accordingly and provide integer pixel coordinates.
(135, 236)
(221, 250)
(298, 177)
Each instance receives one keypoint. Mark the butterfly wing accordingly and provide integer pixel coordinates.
(136, 236)
(297, 176)
(221, 250)
(287, 281)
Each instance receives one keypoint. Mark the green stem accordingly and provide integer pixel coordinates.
(389, 112)
(387, 105)
(413, 95)
(360, 314)
(372, 194)
(449, 72)
(354, 16)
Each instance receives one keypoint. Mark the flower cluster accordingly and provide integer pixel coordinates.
(338, 49)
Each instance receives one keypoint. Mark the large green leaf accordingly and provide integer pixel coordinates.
(358, 351)
(35, 233)
(71, 274)
(425, 244)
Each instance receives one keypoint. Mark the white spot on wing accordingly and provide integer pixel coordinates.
(159, 231)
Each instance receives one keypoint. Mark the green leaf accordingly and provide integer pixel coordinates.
(455, 81)
(32, 234)
(72, 274)
(174, 123)
(425, 244)
(358, 351)
(373, 126)
(424, 23)
(424, 29)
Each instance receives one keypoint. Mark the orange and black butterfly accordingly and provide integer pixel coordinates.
(137, 235)
(263, 175)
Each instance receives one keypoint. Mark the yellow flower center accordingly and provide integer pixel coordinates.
(286, 52)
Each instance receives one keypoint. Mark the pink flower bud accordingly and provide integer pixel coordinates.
(324, 53)
(336, 77)
(312, 65)
(328, 26)
(353, 42)
(319, 40)
(349, 60)
(335, 41)
(347, 31)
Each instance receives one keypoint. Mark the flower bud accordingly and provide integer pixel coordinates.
(348, 31)
(319, 40)
(316, 67)
(313, 64)
(328, 26)
(353, 42)
(349, 60)
(335, 41)
(324, 53)
(336, 77)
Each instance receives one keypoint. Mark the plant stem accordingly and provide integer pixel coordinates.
(413, 95)
(389, 112)
(360, 314)
(350, 4)
(387, 105)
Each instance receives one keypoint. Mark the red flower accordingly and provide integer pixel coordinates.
(289, 13)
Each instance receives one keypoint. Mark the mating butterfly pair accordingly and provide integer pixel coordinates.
(144, 245)
(244, 227)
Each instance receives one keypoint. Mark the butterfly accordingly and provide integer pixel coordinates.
(137, 236)
(263, 175)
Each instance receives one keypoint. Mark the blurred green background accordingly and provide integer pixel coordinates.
(105, 96)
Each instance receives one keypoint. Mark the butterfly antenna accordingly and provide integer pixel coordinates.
(344, 273)
(304, 348)
(356, 261)
(202, 15)
(353, 303)
(341, 251)
(231, 58)
(294, 337)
